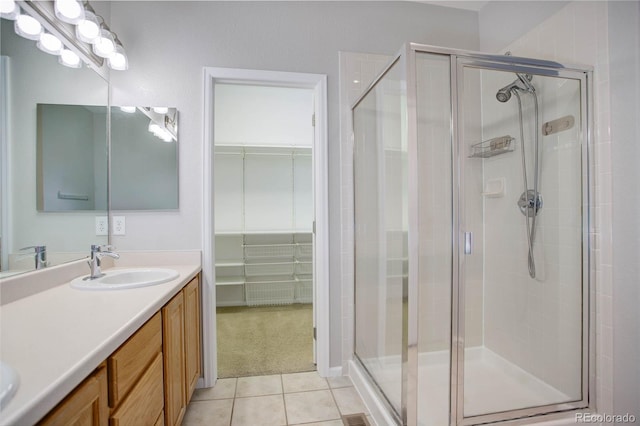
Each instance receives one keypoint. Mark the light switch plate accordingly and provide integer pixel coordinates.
(102, 225)
(118, 225)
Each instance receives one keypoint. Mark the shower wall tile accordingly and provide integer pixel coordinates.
(579, 34)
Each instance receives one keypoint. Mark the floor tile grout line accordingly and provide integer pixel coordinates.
(233, 407)
(284, 402)
(306, 390)
(335, 401)
(233, 404)
(258, 396)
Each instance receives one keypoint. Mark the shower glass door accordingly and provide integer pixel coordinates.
(381, 212)
(522, 157)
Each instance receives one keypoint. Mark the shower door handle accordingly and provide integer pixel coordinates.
(468, 242)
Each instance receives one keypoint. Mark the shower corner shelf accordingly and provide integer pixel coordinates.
(492, 147)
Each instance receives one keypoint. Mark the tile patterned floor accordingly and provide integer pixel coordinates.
(277, 400)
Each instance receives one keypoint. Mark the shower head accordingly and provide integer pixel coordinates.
(522, 83)
(504, 94)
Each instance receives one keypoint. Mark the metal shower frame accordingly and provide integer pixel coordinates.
(459, 59)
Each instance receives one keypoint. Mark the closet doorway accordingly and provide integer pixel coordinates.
(268, 263)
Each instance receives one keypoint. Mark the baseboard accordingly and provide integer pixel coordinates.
(335, 372)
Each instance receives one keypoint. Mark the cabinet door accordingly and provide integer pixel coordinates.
(86, 406)
(173, 350)
(192, 334)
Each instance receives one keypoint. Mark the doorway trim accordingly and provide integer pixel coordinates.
(317, 83)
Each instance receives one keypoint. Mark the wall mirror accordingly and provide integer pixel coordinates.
(143, 157)
(70, 140)
(30, 77)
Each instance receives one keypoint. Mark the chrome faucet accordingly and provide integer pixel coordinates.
(40, 253)
(97, 253)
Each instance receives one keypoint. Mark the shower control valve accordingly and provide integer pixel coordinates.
(529, 203)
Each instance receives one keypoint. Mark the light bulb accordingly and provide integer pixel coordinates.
(160, 110)
(104, 44)
(128, 109)
(7, 6)
(9, 10)
(28, 27)
(118, 60)
(88, 29)
(154, 128)
(69, 59)
(49, 43)
(69, 11)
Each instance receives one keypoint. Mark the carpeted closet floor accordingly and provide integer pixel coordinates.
(254, 341)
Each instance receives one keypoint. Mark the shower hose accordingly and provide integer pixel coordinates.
(533, 201)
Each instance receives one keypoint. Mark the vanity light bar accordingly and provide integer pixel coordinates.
(73, 24)
(162, 125)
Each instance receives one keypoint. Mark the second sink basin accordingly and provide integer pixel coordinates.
(126, 278)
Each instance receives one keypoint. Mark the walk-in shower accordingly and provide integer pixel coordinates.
(466, 313)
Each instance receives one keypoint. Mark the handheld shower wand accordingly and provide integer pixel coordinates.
(530, 201)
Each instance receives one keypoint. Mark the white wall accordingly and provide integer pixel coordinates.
(263, 115)
(169, 43)
(263, 173)
(624, 55)
(503, 22)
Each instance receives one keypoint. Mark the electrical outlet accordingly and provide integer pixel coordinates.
(118, 225)
(102, 225)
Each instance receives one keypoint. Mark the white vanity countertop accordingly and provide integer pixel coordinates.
(56, 338)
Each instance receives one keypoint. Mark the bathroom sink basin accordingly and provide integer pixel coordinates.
(126, 278)
(9, 382)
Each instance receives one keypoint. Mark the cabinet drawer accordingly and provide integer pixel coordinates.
(145, 402)
(128, 363)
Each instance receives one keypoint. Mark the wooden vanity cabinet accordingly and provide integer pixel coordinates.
(149, 379)
(87, 405)
(181, 326)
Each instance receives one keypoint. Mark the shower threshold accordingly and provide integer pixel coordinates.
(492, 384)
